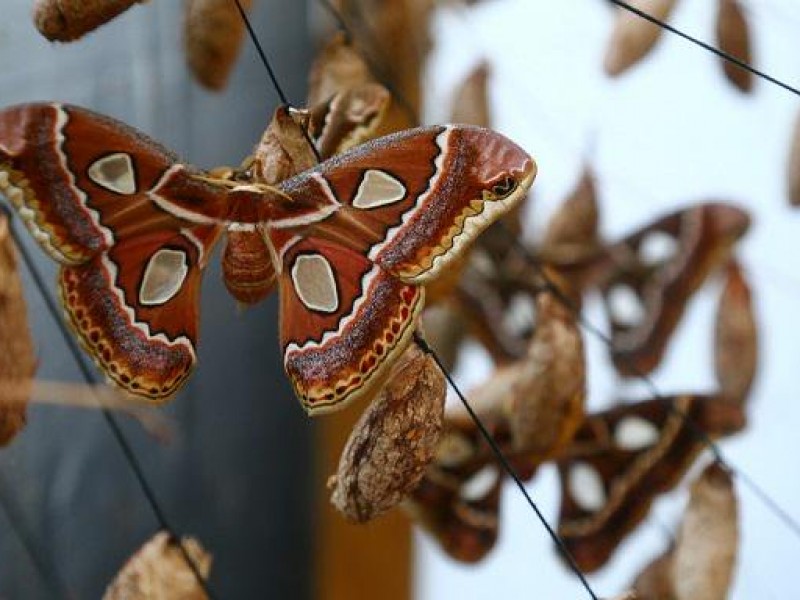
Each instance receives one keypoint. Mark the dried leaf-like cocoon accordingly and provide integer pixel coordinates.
(705, 552)
(655, 580)
(17, 358)
(283, 150)
(545, 407)
(540, 397)
(736, 337)
(68, 20)
(394, 440)
(793, 169)
(337, 67)
(572, 232)
(212, 35)
(400, 42)
(634, 37)
(471, 104)
(700, 566)
(733, 37)
(158, 571)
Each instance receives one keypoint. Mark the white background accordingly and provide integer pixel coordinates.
(668, 133)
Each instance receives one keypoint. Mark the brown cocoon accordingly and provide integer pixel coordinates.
(67, 20)
(394, 440)
(283, 150)
(545, 407)
(17, 359)
(736, 337)
(701, 564)
(634, 37)
(572, 232)
(471, 104)
(337, 67)
(213, 34)
(733, 37)
(793, 170)
(705, 553)
(159, 571)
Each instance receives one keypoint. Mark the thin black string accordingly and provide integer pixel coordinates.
(706, 46)
(275, 84)
(110, 420)
(377, 71)
(506, 465)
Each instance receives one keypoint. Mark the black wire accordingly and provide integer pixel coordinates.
(713, 49)
(111, 421)
(506, 465)
(281, 94)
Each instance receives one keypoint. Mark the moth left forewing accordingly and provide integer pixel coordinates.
(413, 201)
(135, 308)
(82, 181)
(655, 272)
(343, 321)
(621, 459)
(460, 510)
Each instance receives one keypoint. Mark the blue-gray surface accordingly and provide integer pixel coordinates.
(236, 475)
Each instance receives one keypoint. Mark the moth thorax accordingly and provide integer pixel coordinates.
(246, 266)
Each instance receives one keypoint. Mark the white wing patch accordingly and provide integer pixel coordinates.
(314, 282)
(114, 172)
(635, 433)
(657, 248)
(378, 189)
(625, 306)
(163, 277)
(480, 484)
(586, 487)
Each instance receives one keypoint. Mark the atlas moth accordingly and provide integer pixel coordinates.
(352, 241)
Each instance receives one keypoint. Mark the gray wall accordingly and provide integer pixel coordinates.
(237, 472)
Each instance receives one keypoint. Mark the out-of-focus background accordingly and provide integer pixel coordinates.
(237, 473)
(240, 472)
(670, 132)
